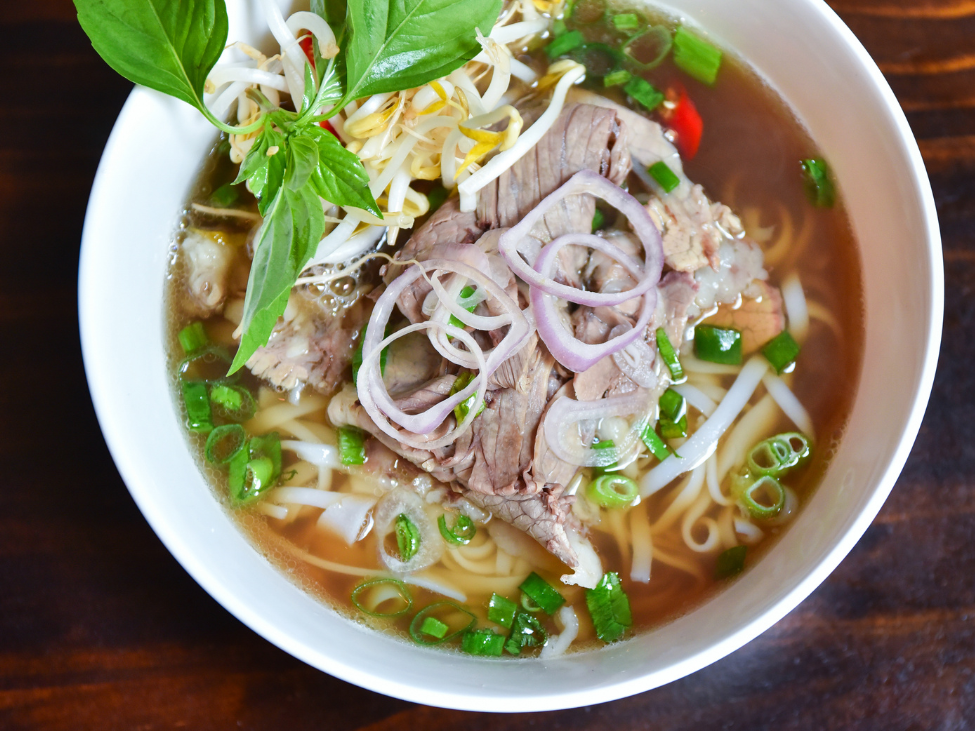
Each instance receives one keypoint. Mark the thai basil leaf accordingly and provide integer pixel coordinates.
(308, 97)
(333, 11)
(292, 228)
(399, 44)
(168, 45)
(329, 87)
(264, 172)
(303, 160)
(340, 178)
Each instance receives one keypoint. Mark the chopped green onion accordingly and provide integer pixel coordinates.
(248, 478)
(669, 354)
(609, 608)
(193, 337)
(665, 177)
(426, 628)
(770, 457)
(462, 532)
(617, 78)
(626, 21)
(648, 49)
(407, 537)
(528, 605)
(434, 628)
(464, 294)
(501, 610)
(604, 444)
(767, 489)
(235, 402)
(268, 446)
(199, 417)
(818, 183)
(598, 58)
(564, 43)
(781, 351)
(526, 631)
(436, 196)
(357, 355)
(224, 443)
(730, 562)
(672, 404)
(670, 429)
(655, 444)
(558, 27)
(613, 491)
(207, 355)
(644, 92)
(352, 445)
(379, 592)
(696, 57)
(225, 196)
(542, 593)
(717, 344)
(482, 642)
(799, 445)
(462, 409)
(598, 220)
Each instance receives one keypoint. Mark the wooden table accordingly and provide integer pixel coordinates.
(100, 628)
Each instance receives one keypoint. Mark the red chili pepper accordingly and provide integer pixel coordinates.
(324, 124)
(687, 123)
(309, 49)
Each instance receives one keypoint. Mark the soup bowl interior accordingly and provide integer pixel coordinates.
(804, 52)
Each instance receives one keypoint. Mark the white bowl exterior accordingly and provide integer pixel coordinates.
(805, 52)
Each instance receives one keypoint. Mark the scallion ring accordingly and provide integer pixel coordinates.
(767, 489)
(224, 443)
(613, 491)
(462, 532)
(432, 624)
(380, 591)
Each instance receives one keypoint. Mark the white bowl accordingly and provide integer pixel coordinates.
(805, 52)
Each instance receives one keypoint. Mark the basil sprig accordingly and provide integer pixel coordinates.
(387, 46)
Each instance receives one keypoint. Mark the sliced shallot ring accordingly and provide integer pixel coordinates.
(376, 401)
(565, 412)
(590, 182)
(635, 360)
(565, 347)
(478, 322)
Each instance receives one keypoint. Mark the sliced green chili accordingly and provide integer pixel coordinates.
(781, 351)
(224, 443)
(696, 57)
(609, 608)
(501, 610)
(665, 177)
(644, 92)
(352, 445)
(613, 491)
(462, 532)
(426, 628)
(818, 183)
(482, 642)
(199, 417)
(669, 355)
(542, 593)
(402, 594)
(407, 537)
(730, 562)
(526, 631)
(717, 344)
(193, 337)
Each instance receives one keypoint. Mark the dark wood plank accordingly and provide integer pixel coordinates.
(101, 628)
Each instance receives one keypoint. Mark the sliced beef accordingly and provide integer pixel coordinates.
(309, 345)
(758, 318)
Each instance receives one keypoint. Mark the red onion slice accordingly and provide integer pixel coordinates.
(590, 182)
(562, 344)
(565, 414)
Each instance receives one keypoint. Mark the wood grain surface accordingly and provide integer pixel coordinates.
(100, 628)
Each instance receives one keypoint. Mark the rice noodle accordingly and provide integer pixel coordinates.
(714, 484)
(685, 496)
(757, 424)
(796, 310)
(696, 449)
(789, 404)
(696, 398)
(557, 645)
(642, 544)
(750, 533)
(691, 517)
